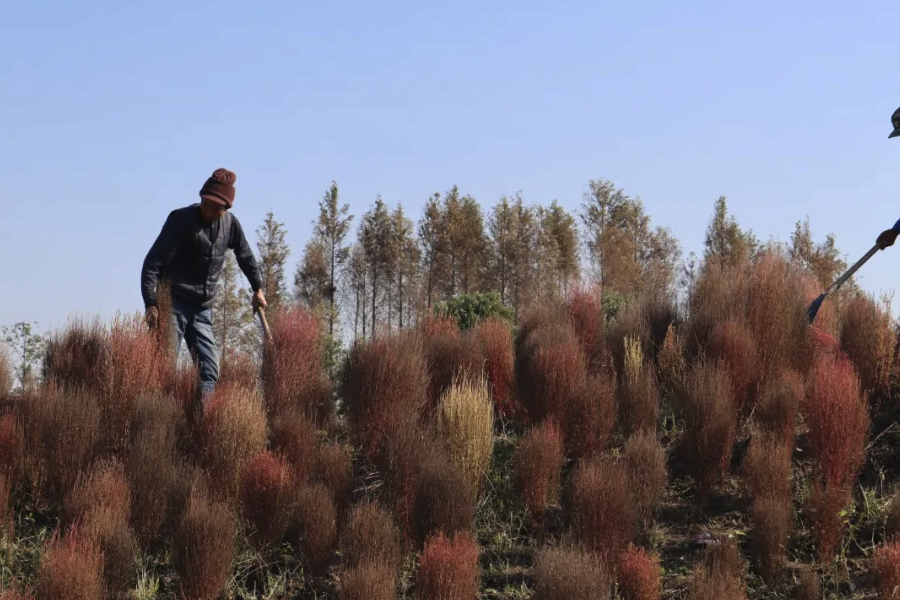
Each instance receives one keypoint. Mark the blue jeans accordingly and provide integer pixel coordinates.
(194, 325)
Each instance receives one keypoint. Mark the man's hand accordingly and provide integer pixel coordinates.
(152, 317)
(259, 299)
(886, 238)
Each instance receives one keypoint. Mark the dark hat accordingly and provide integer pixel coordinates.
(895, 121)
(220, 187)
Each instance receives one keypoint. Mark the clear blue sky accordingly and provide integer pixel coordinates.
(114, 113)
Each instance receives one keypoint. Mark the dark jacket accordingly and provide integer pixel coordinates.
(191, 253)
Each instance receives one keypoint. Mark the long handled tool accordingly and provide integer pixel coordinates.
(262, 317)
(814, 307)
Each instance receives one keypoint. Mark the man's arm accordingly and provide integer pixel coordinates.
(159, 255)
(244, 255)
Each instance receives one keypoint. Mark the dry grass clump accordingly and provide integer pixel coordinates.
(710, 423)
(444, 502)
(368, 580)
(71, 567)
(731, 342)
(884, 568)
(12, 446)
(599, 509)
(767, 467)
(333, 467)
(496, 340)
(639, 574)
(866, 335)
(267, 485)
(294, 437)
(316, 527)
(718, 295)
(204, 547)
(645, 466)
(109, 531)
(62, 436)
(465, 419)
(672, 364)
(779, 404)
(6, 521)
(537, 468)
(719, 573)
(155, 471)
(233, 432)
(104, 487)
(590, 416)
(589, 322)
(772, 519)
(383, 377)
(451, 356)
(293, 369)
(370, 534)
(638, 390)
(449, 568)
(570, 573)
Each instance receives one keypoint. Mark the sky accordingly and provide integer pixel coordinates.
(115, 113)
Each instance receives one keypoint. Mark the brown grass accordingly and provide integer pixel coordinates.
(570, 573)
(710, 424)
(589, 322)
(293, 369)
(153, 473)
(884, 568)
(837, 414)
(590, 416)
(868, 339)
(383, 377)
(15, 592)
(368, 580)
(315, 523)
(537, 468)
(807, 587)
(672, 364)
(110, 532)
(825, 504)
(779, 403)
(645, 465)
(638, 391)
(62, 434)
(267, 484)
(6, 521)
(444, 501)
(204, 548)
(639, 574)
(370, 534)
(334, 468)
(104, 487)
(496, 342)
(465, 420)
(767, 467)
(71, 567)
(452, 356)
(731, 342)
(12, 446)
(233, 432)
(599, 508)
(294, 437)
(448, 568)
(772, 518)
(719, 573)
(717, 295)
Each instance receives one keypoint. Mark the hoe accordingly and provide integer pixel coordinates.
(814, 307)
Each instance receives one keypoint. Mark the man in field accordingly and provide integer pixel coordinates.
(190, 252)
(889, 236)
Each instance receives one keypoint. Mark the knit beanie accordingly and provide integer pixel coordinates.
(220, 187)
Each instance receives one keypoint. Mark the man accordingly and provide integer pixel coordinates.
(889, 236)
(190, 251)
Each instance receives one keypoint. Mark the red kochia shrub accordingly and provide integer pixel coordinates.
(497, 343)
(638, 574)
(12, 446)
(838, 418)
(588, 320)
(315, 522)
(884, 567)
(71, 567)
(550, 371)
(105, 487)
(294, 437)
(590, 416)
(778, 404)
(266, 488)
(444, 499)
(732, 343)
(868, 339)
(451, 356)
(569, 572)
(334, 468)
(369, 580)
(537, 466)
(711, 423)
(293, 368)
(370, 534)
(383, 377)
(204, 546)
(599, 508)
(78, 357)
(14, 593)
(448, 568)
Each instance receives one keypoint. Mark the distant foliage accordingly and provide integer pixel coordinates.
(468, 309)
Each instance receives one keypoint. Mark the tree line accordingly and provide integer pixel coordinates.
(387, 269)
